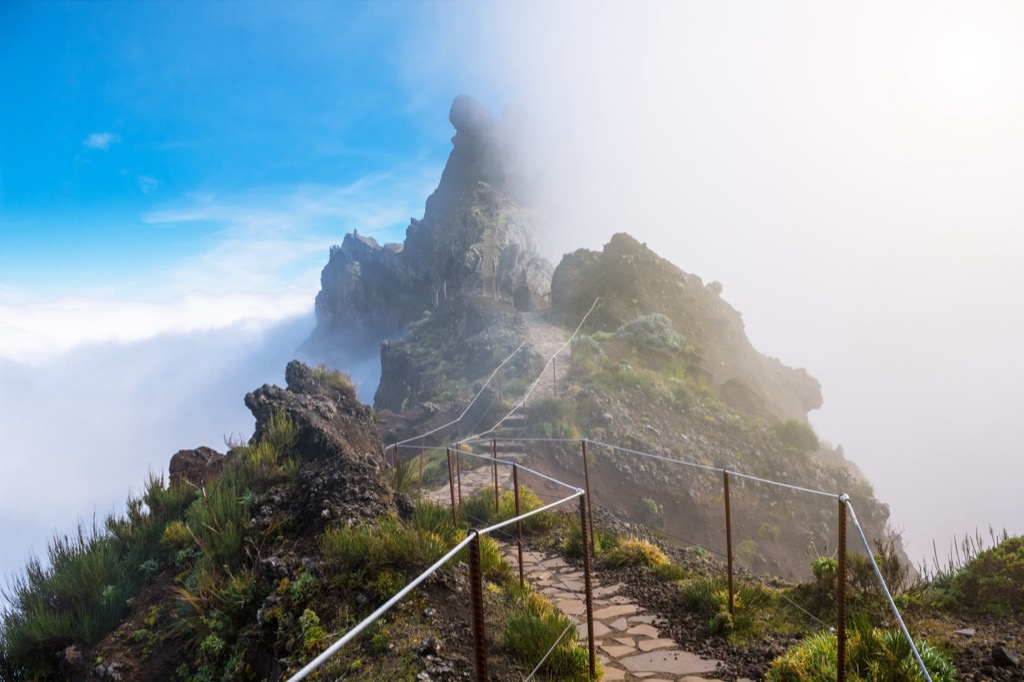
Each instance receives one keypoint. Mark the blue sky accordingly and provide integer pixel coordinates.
(136, 136)
(172, 175)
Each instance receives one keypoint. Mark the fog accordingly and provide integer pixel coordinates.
(849, 172)
(83, 430)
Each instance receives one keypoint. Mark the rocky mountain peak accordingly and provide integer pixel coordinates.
(475, 238)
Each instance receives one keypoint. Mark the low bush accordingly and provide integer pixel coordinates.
(479, 511)
(993, 581)
(709, 595)
(535, 628)
(872, 654)
(797, 436)
(369, 547)
(572, 545)
(338, 380)
(551, 417)
(652, 331)
(635, 552)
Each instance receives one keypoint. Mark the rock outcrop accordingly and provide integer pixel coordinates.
(632, 280)
(477, 237)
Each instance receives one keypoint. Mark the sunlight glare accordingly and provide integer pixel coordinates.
(965, 60)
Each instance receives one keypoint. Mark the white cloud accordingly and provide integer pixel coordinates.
(147, 185)
(261, 265)
(84, 428)
(101, 141)
(37, 332)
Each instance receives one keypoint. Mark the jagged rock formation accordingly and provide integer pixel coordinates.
(447, 351)
(476, 238)
(632, 280)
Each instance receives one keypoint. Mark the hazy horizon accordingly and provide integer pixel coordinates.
(171, 182)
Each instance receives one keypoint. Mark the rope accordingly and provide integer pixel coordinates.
(366, 622)
(505, 462)
(464, 412)
(536, 381)
(885, 588)
(720, 470)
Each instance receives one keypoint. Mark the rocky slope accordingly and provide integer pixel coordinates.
(444, 307)
(631, 280)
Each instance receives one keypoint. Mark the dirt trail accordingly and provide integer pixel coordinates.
(548, 340)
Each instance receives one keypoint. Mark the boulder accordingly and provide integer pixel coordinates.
(195, 466)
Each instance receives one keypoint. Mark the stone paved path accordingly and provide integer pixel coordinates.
(626, 638)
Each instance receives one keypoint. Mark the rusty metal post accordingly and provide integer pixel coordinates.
(519, 523)
(588, 589)
(728, 543)
(590, 508)
(841, 595)
(494, 464)
(476, 600)
(451, 485)
(458, 473)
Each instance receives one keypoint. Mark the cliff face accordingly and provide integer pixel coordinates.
(476, 238)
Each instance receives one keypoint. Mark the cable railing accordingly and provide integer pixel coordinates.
(475, 578)
(845, 509)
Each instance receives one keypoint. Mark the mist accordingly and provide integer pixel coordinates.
(849, 173)
(84, 429)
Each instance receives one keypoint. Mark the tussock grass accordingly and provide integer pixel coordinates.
(81, 593)
(479, 511)
(635, 552)
(754, 606)
(872, 654)
(535, 627)
(386, 543)
(336, 379)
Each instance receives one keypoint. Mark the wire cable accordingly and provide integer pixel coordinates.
(885, 588)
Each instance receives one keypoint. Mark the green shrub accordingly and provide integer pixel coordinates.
(79, 597)
(435, 518)
(796, 435)
(652, 331)
(338, 380)
(709, 595)
(872, 654)
(585, 347)
(403, 475)
(993, 580)
(635, 552)
(478, 510)
(573, 543)
(551, 417)
(367, 548)
(534, 627)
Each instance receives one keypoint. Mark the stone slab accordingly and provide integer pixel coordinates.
(652, 644)
(617, 650)
(619, 624)
(674, 662)
(600, 630)
(648, 618)
(615, 611)
(643, 631)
